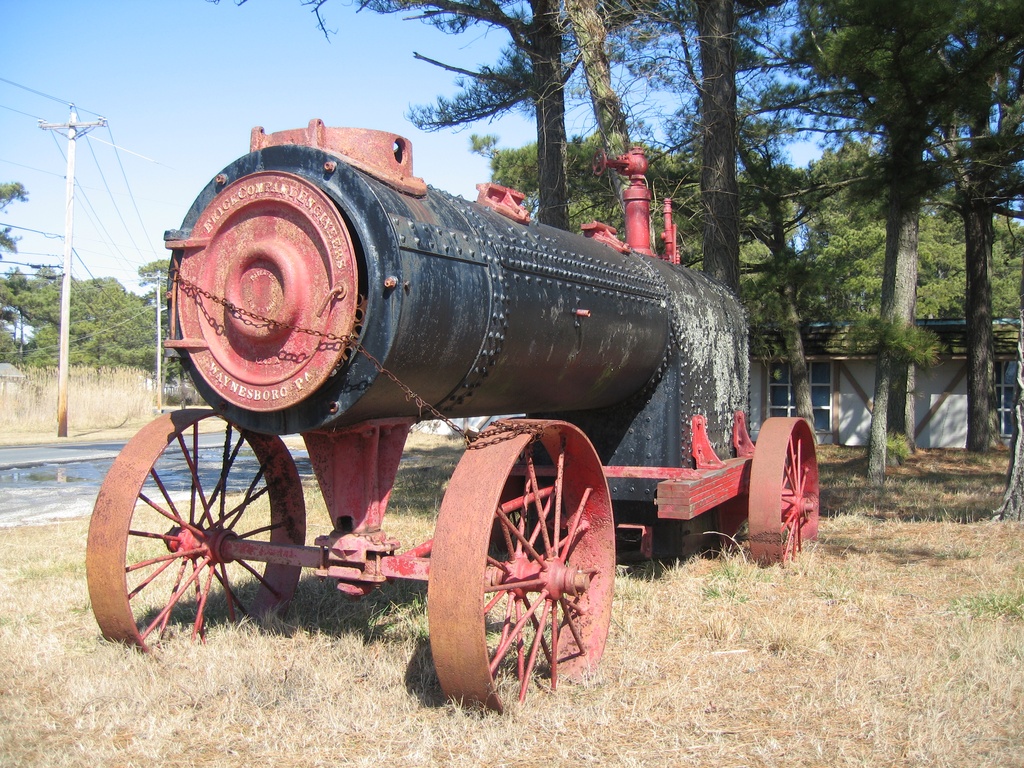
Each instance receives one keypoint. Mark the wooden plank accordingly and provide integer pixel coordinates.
(684, 499)
(653, 473)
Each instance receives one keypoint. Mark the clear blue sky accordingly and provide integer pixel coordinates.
(182, 82)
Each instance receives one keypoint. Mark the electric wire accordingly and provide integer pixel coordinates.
(92, 308)
(84, 265)
(6, 262)
(116, 147)
(33, 90)
(51, 235)
(93, 216)
(26, 114)
(48, 96)
(138, 214)
(31, 168)
(88, 336)
(110, 194)
(34, 253)
(103, 296)
(61, 175)
(130, 268)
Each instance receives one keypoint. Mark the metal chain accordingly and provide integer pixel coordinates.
(501, 430)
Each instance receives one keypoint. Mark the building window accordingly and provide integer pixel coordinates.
(1006, 391)
(781, 401)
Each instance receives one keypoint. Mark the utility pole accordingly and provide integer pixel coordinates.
(74, 130)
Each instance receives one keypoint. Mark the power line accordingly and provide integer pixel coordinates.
(124, 176)
(35, 253)
(113, 248)
(33, 90)
(84, 265)
(93, 216)
(111, 144)
(51, 235)
(65, 102)
(25, 264)
(77, 184)
(88, 336)
(26, 114)
(97, 222)
(31, 168)
(113, 202)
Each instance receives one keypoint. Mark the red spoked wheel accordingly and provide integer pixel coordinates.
(155, 559)
(783, 491)
(523, 564)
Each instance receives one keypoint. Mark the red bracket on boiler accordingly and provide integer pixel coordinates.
(603, 233)
(700, 445)
(506, 201)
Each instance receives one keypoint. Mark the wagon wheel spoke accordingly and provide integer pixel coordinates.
(148, 579)
(171, 513)
(228, 520)
(180, 588)
(527, 675)
(151, 565)
(190, 455)
(783, 491)
(522, 567)
(228, 460)
(540, 525)
(204, 594)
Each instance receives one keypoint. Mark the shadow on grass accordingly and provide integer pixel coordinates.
(843, 548)
(393, 613)
(933, 485)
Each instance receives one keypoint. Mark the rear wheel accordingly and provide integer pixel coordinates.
(783, 491)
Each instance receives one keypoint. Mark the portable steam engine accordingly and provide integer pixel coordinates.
(318, 287)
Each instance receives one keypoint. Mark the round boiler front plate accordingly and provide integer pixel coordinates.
(269, 293)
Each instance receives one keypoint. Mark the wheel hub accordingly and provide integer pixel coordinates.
(208, 544)
(182, 540)
(524, 575)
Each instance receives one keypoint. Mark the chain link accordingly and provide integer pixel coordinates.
(497, 432)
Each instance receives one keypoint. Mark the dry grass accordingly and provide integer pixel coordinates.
(100, 401)
(897, 640)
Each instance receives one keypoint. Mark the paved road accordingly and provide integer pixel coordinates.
(45, 483)
(22, 456)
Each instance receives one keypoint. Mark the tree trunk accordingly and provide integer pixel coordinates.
(1012, 507)
(546, 56)
(719, 187)
(901, 402)
(794, 346)
(591, 37)
(909, 414)
(981, 400)
(899, 291)
(902, 415)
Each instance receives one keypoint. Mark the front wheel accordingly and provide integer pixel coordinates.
(523, 564)
(186, 483)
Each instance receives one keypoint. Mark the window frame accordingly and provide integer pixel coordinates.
(780, 380)
(1005, 391)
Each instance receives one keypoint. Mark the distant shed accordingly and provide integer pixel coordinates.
(10, 378)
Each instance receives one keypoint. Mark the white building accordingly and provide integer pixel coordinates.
(843, 380)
